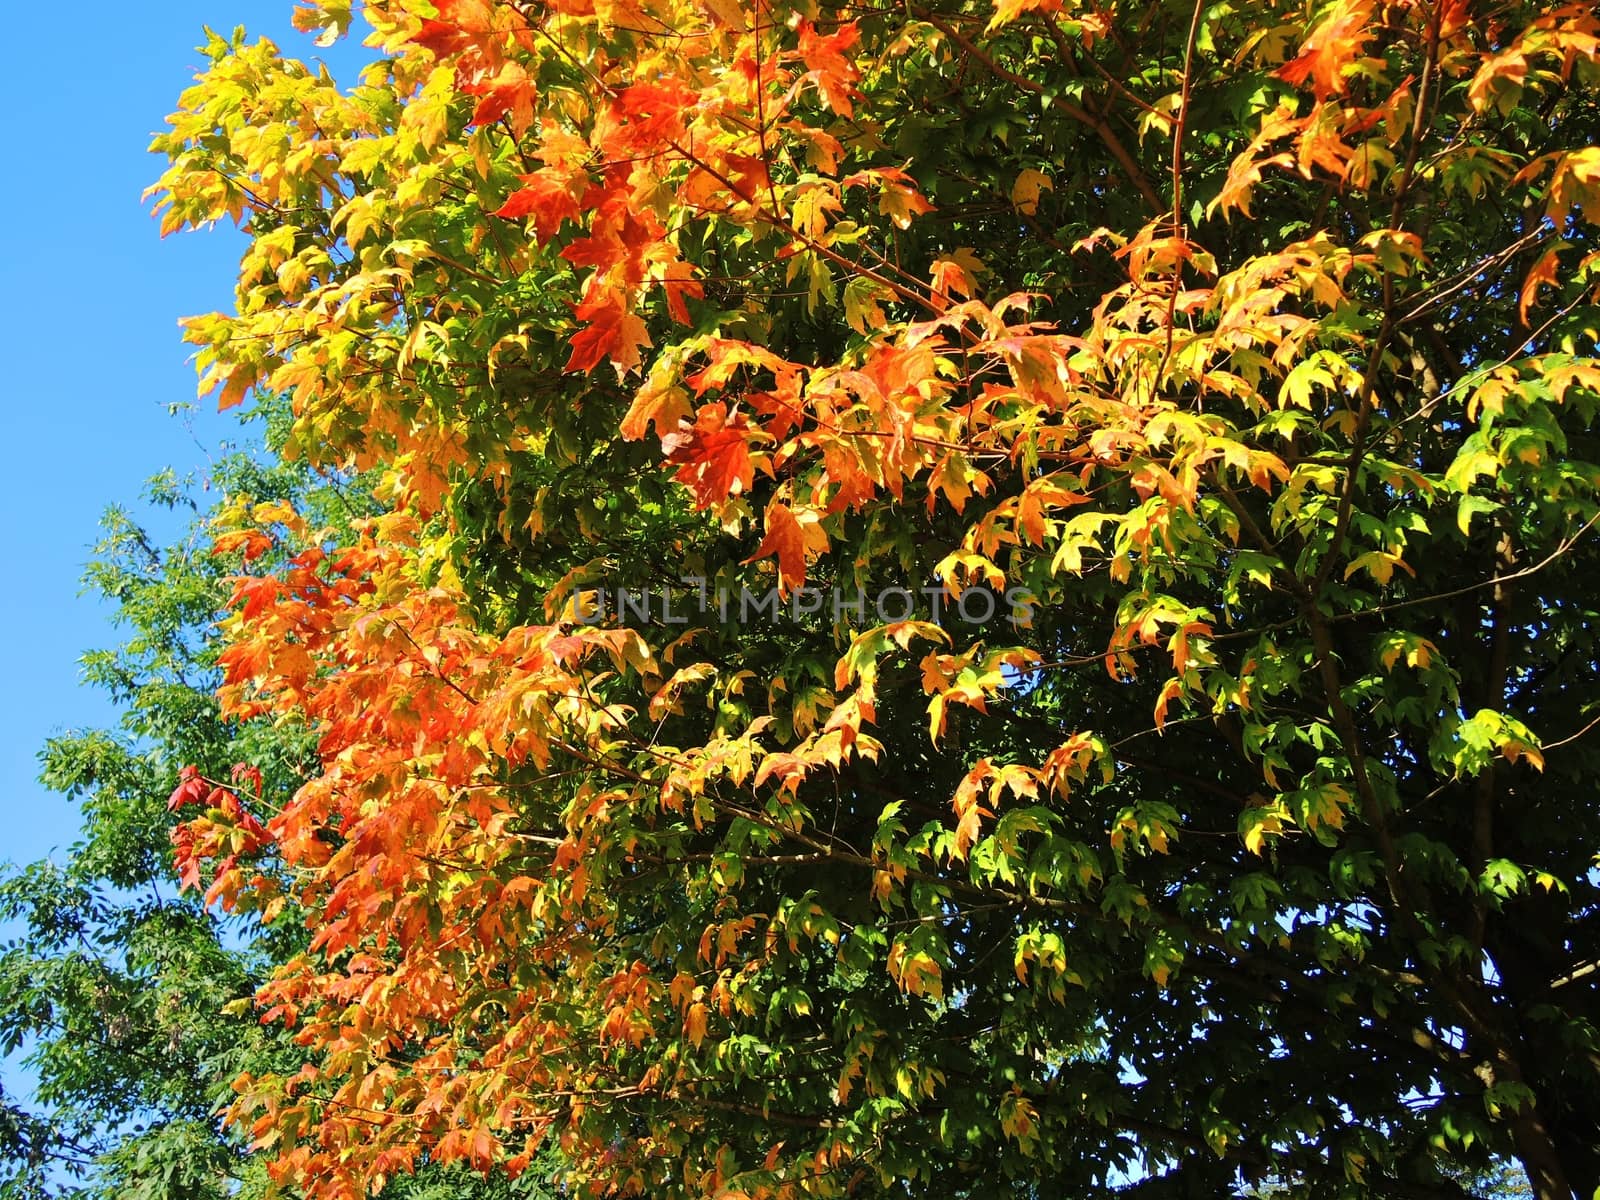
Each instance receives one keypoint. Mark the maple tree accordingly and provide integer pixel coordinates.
(1255, 344)
(126, 1000)
(114, 985)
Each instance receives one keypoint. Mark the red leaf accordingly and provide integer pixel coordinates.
(222, 798)
(616, 239)
(191, 788)
(1545, 273)
(546, 199)
(712, 456)
(240, 380)
(184, 858)
(830, 70)
(440, 37)
(516, 98)
(650, 114)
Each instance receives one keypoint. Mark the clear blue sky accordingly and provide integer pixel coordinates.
(90, 297)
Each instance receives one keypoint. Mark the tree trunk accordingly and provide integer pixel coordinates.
(1537, 1152)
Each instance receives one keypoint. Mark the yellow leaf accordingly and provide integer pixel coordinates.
(1025, 191)
(1006, 11)
(1379, 564)
(694, 1024)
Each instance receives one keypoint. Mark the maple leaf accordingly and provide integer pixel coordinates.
(441, 37)
(915, 971)
(658, 402)
(863, 304)
(650, 114)
(454, 27)
(546, 198)
(619, 245)
(191, 788)
(185, 858)
(725, 356)
(951, 278)
(510, 94)
(1544, 273)
(1025, 192)
(833, 74)
(1006, 11)
(677, 281)
(712, 455)
(786, 539)
(1500, 77)
(612, 333)
(249, 543)
(969, 812)
(898, 197)
(694, 1023)
(1334, 45)
(240, 380)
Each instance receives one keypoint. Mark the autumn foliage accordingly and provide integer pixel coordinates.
(1255, 343)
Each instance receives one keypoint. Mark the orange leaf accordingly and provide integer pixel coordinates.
(694, 1024)
(544, 197)
(787, 540)
(613, 332)
(712, 455)
(1332, 46)
(1543, 273)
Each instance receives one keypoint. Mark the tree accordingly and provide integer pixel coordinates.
(120, 987)
(1254, 346)
(132, 1000)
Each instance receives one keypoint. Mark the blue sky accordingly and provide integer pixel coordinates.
(90, 300)
(90, 297)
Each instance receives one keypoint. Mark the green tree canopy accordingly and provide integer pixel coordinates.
(1255, 345)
